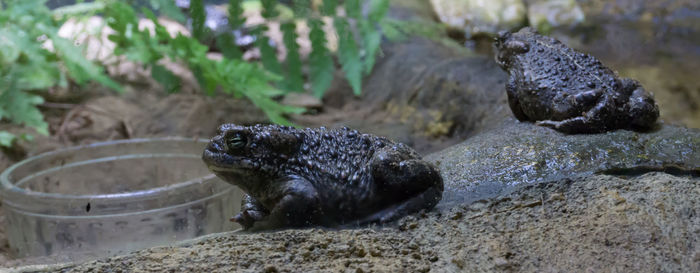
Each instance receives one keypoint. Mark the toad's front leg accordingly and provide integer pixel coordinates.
(298, 204)
(251, 212)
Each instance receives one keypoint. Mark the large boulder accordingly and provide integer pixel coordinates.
(600, 223)
(423, 93)
(521, 152)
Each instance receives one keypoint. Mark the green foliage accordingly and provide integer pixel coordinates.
(167, 8)
(359, 38)
(27, 67)
(231, 76)
(6, 139)
(293, 79)
(371, 37)
(329, 7)
(320, 60)
(235, 14)
(349, 55)
(198, 16)
(235, 21)
(268, 54)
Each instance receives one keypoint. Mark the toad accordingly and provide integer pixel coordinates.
(569, 91)
(326, 177)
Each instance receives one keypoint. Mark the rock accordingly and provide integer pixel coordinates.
(601, 223)
(514, 153)
(434, 86)
(437, 92)
(436, 96)
(193, 115)
(100, 119)
(481, 16)
(302, 100)
(547, 14)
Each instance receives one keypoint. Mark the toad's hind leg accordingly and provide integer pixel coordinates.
(597, 119)
(406, 185)
(641, 108)
(423, 201)
(397, 173)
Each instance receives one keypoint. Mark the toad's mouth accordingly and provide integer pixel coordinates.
(221, 162)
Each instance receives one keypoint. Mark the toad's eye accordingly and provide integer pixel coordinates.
(236, 141)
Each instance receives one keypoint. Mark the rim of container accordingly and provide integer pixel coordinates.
(8, 187)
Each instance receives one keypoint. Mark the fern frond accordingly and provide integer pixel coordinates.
(198, 16)
(235, 14)
(349, 55)
(352, 9)
(293, 80)
(329, 7)
(320, 61)
(269, 10)
(268, 54)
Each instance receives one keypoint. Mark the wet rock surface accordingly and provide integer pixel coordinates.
(599, 223)
(515, 153)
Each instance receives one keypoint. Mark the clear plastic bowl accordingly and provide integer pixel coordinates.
(113, 197)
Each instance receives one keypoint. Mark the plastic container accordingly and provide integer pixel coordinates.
(113, 197)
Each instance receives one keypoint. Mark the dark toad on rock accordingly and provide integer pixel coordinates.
(303, 177)
(569, 91)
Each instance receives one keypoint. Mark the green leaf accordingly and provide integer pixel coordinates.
(20, 108)
(371, 36)
(169, 9)
(166, 78)
(352, 8)
(268, 54)
(329, 7)
(78, 67)
(301, 8)
(348, 55)
(78, 9)
(269, 9)
(18, 45)
(198, 16)
(377, 10)
(162, 34)
(235, 14)
(320, 62)
(6, 138)
(371, 40)
(228, 46)
(272, 109)
(35, 75)
(397, 29)
(293, 80)
(392, 31)
(121, 18)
